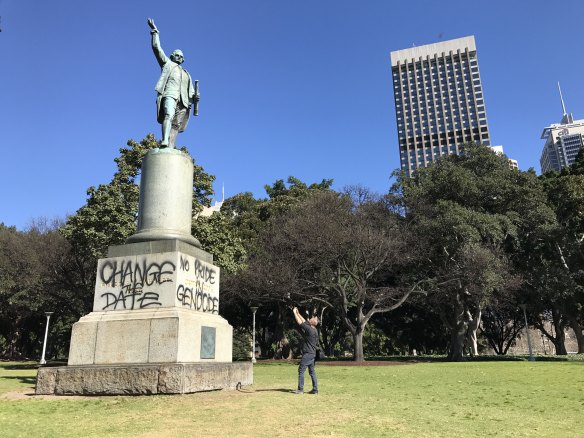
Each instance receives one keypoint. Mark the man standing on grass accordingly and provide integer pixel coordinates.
(310, 335)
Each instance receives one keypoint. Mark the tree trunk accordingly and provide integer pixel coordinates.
(577, 327)
(13, 349)
(559, 344)
(511, 339)
(495, 345)
(500, 341)
(560, 338)
(457, 338)
(458, 331)
(264, 342)
(358, 345)
(332, 342)
(472, 340)
(473, 326)
(283, 350)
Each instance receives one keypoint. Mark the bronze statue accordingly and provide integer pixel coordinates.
(176, 91)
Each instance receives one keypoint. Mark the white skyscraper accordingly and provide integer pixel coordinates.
(563, 141)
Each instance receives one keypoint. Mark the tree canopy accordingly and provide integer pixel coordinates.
(448, 255)
(475, 216)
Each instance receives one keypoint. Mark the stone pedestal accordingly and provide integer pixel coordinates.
(166, 196)
(180, 378)
(155, 325)
(150, 336)
(154, 304)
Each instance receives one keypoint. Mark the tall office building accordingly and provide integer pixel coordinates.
(563, 141)
(439, 101)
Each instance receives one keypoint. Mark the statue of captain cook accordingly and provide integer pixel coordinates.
(176, 91)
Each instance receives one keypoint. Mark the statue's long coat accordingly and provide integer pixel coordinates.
(187, 90)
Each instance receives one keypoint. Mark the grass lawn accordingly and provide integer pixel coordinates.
(474, 399)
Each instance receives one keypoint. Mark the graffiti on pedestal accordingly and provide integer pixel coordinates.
(160, 280)
(133, 283)
(198, 289)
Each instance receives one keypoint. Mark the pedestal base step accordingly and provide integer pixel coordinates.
(143, 379)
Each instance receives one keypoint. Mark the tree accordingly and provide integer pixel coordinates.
(475, 216)
(218, 236)
(330, 252)
(502, 320)
(561, 274)
(248, 217)
(36, 276)
(415, 326)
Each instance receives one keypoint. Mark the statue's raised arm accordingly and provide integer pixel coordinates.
(156, 47)
(152, 25)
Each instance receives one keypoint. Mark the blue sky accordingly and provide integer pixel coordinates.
(297, 87)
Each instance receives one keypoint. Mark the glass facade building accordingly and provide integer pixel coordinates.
(439, 102)
(563, 142)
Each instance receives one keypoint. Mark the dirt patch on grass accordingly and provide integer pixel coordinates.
(366, 363)
(17, 395)
(29, 394)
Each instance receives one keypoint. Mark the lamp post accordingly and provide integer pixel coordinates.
(254, 309)
(527, 333)
(43, 361)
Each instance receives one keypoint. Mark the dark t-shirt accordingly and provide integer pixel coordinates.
(310, 336)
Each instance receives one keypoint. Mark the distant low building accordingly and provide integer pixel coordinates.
(563, 142)
(512, 163)
(216, 207)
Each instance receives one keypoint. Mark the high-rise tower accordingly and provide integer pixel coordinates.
(563, 141)
(439, 102)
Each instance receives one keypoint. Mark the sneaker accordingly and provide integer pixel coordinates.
(298, 391)
(314, 391)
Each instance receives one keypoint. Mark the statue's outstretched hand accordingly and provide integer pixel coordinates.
(152, 25)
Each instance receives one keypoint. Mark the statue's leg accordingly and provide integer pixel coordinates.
(172, 137)
(176, 124)
(169, 105)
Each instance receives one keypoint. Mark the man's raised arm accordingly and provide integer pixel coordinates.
(298, 316)
(156, 48)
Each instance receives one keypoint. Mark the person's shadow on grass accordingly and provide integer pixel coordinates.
(28, 380)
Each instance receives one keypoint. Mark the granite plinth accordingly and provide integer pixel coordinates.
(149, 336)
(143, 379)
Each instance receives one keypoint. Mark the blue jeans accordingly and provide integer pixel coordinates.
(307, 362)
